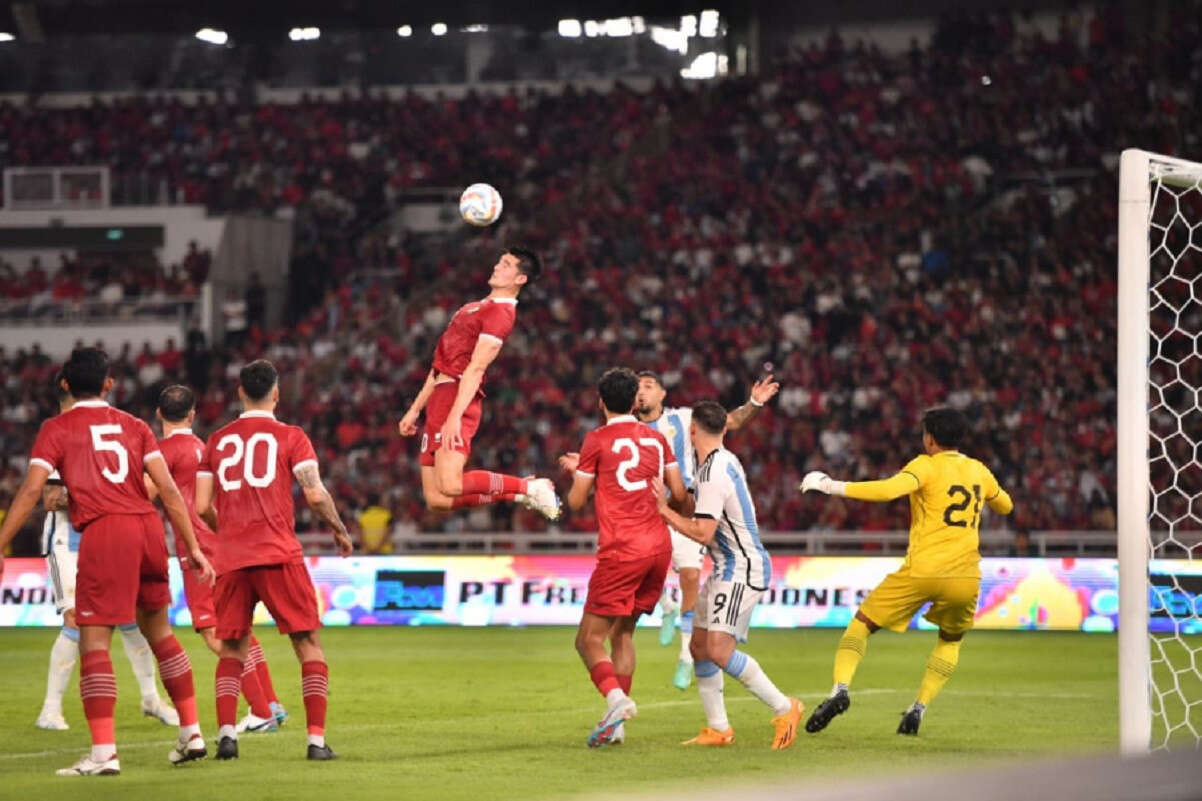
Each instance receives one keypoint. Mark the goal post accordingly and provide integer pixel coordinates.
(1159, 448)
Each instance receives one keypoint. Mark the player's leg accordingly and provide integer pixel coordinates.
(953, 611)
(64, 653)
(690, 582)
(621, 651)
(98, 689)
(257, 684)
(315, 689)
(717, 731)
(141, 660)
(234, 599)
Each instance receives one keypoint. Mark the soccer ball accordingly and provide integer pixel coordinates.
(480, 205)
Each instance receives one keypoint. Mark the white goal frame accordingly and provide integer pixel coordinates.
(1133, 472)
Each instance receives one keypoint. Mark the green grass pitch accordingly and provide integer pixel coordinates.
(503, 714)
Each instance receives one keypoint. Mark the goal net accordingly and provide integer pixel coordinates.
(1159, 476)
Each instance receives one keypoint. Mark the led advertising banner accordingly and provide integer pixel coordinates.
(1054, 594)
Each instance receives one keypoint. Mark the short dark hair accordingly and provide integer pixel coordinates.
(175, 402)
(528, 262)
(85, 372)
(60, 393)
(654, 376)
(618, 387)
(257, 379)
(947, 426)
(710, 416)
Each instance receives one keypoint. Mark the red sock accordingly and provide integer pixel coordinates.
(98, 688)
(624, 682)
(604, 677)
(256, 656)
(175, 670)
(254, 691)
(229, 678)
(491, 483)
(481, 499)
(315, 686)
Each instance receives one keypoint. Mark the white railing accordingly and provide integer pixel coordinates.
(70, 187)
(50, 311)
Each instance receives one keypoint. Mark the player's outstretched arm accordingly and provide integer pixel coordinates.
(582, 483)
(319, 500)
(700, 529)
(408, 424)
(177, 512)
(887, 489)
(469, 384)
(22, 507)
(761, 392)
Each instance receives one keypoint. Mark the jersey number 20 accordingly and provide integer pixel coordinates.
(244, 452)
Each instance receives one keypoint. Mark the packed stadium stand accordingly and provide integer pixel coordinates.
(883, 232)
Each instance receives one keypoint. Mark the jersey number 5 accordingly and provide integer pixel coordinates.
(99, 443)
(957, 491)
(244, 452)
(632, 461)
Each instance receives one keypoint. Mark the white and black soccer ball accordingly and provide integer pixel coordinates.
(480, 205)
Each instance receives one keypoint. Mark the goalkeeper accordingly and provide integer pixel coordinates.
(942, 566)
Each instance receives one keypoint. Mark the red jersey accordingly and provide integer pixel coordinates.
(623, 456)
(184, 452)
(491, 318)
(252, 461)
(100, 453)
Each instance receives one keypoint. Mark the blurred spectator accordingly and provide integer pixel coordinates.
(375, 526)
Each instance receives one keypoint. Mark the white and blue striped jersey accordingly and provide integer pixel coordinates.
(723, 495)
(674, 425)
(57, 531)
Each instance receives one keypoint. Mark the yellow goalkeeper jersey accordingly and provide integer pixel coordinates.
(947, 492)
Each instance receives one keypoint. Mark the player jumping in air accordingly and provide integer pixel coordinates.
(61, 546)
(247, 476)
(687, 555)
(942, 566)
(724, 521)
(621, 458)
(184, 451)
(452, 397)
(100, 453)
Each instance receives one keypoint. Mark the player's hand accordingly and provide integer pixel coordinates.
(817, 481)
(764, 390)
(204, 570)
(408, 424)
(569, 462)
(452, 434)
(661, 494)
(343, 541)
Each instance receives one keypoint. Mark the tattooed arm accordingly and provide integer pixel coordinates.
(319, 500)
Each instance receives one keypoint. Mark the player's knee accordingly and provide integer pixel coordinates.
(949, 637)
(698, 650)
(436, 501)
(69, 619)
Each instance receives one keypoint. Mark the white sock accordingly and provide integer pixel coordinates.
(709, 687)
(685, 655)
(227, 731)
(614, 696)
(747, 670)
(186, 733)
(141, 659)
(104, 752)
(318, 740)
(63, 655)
(838, 688)
(667, 602)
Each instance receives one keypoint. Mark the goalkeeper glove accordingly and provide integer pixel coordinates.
(818, 481)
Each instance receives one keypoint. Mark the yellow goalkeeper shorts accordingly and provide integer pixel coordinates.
(895, 600)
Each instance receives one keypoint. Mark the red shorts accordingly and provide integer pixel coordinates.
(621, 589)
(437, 409)
(286, 590)
(122, 568)
(199, 596)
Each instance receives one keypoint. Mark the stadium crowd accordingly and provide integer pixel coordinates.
(882, 232)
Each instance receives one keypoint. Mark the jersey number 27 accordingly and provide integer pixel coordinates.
(626, 444)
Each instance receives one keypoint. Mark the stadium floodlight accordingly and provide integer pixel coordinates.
(570, 28)
(304, 34)
(405, 31)
(6, 37)
(1159, 437)
(688, 25)
(709, 23)
(705, 66)
(619, 26)
(439, 29)
(670, 39)
(475, 28)
(212, 36)
(592, 28)
(640, 25)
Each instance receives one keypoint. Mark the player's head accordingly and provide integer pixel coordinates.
(514, 269)
(618, 386)
(61, 393)
(259, 384)
(709, 423)
(943, 428)
(87, 373)
(177, 405)
(650, 400)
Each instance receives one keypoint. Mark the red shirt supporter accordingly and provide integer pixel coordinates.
(252, 461)
(491, 318)
(623, 456)
(105, 479)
